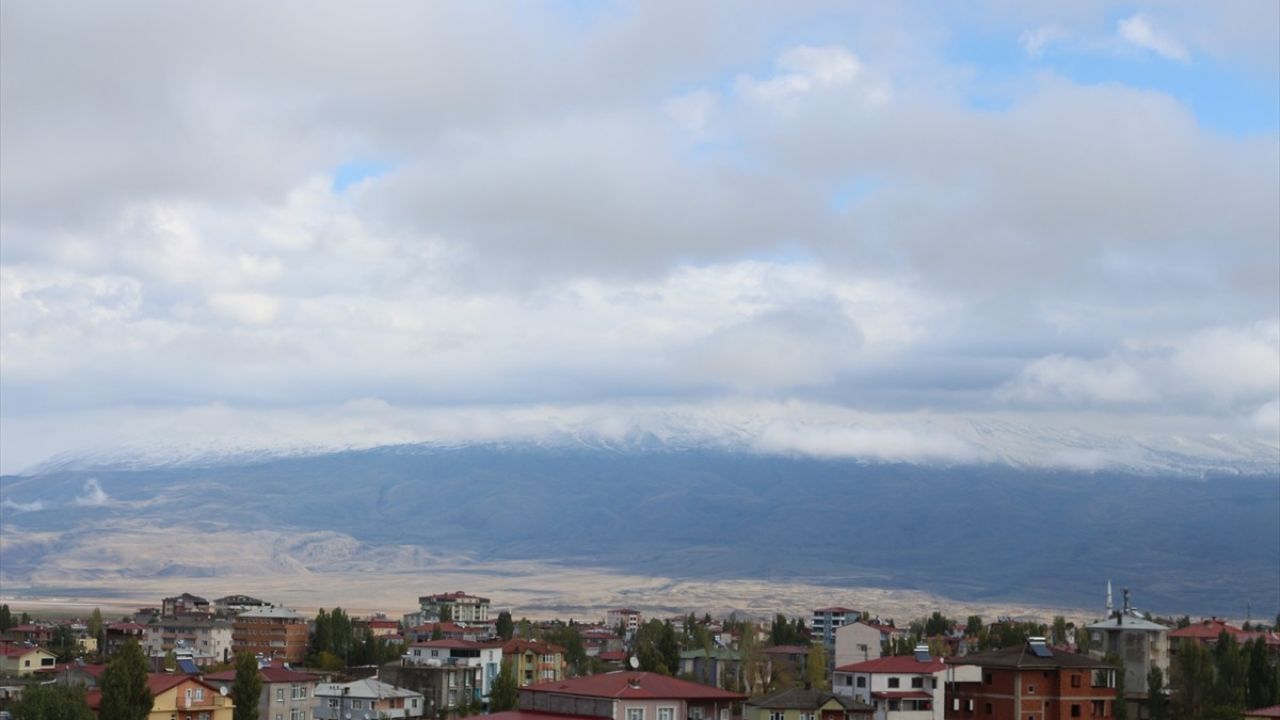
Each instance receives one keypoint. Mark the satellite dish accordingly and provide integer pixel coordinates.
(222, 691)
(635, 662)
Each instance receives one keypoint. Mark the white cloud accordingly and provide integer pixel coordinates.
(32, 506)
(93, 495)
(1035, 42)
(252, 308)
(1058, 379)
(1139, 31)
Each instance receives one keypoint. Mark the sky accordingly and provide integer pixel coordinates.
(896, 231)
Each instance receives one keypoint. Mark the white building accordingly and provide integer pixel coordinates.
(486, 658)
(629, 619)
(366, 699)
(460, 607)
(208, 641)
(826, 621)
(902, 687)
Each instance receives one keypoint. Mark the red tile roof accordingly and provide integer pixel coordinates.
(10, 650)
(517, 645)
(612, 656)
(1207, 630)
(633, 685)
(894, 664)
(456, 644)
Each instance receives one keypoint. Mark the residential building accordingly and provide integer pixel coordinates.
(119, 633)
(799, 704)
(236, 604)
(1141, 644)
(787, 660)
(368, 698)
(184, 605)
(379, 626)
(534, 661)
(630, 695)
(21, 660)
(826, 620)
(458, 606)
(718, 667)
(860, 641)
(903, 687)
(276, 633)
(446, 631)
(444, 687)
(1034, 682)
(626, 618)
(179, 696)
(484, 658)
(1205, 632)
(596, 640)
(286, 694)
(208, 641)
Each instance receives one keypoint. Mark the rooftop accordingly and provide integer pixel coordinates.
(635, 686)
(1021, 656)
(895, 664)
(800, 699)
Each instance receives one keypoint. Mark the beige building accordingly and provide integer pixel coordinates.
(22, 660)
(208, 641)
(459, 606)
(286, 694)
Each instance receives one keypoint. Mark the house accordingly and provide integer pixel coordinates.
(184, 605)
(37, 633)
(119, 633)
(286, 694)
(534, 661)
(380, 626)
(208, 641)
(630, 695)
(179, 696)
(483, 659)
(277, 633)
(444, 686)
(787, 660)
(21, 660)
(596, 640)
(798, 704)
(718, 667)
(456, 606)
(860, 641)
(903, 687)
(826, 620)
(370, 698)
(1205, 632)
(447, 631)
(1033, 682)
(626, 618)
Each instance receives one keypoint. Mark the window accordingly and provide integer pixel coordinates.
(666, 713)
(1075, 679)
(635, 713)
(1031, 689)
(986, 678)
(199, 694)
(280, 694)
(987, 709)
(862, 681)
(777, 715)
(917, 682)
(357, 704)
(893, 682)
(1075, 710)
(1099, 708)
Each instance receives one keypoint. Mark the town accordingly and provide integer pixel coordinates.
(238, 657)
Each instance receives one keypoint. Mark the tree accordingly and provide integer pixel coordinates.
(1192, 680)
(6, 618)
(1229, 663)
(97, 629)
(52, 702)
(1157, 703)
(1262, 689)
(973, 625)
(1059, 629)
(446, 613)
(506, 691)
(815, 668)
(505, 627)
(246, 689)
(125, 695)
(1119, 710)
(575, 653)
(1082, 640)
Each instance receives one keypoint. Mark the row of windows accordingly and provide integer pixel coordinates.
(664, 713)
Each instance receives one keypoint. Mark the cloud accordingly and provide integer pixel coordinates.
(93, 495)
(1035, 42)
(1139, 31)
(33, 506)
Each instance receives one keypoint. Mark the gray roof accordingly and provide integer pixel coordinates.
(270, 612)
(1129, 623)
(717, 653)
(800, 699)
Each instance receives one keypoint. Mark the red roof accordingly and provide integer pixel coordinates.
(444, 627)
(894, 664)
(1273, 711)
(612, 656)
(633, 685)
(518, 645)
(884, 629)
(902, 695)
(1207, 630)
(456, 644)
(10, 650)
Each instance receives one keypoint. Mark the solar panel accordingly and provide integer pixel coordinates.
(923, 656)
(1041, 650)
(188, 666)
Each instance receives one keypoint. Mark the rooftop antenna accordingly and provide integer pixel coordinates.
(1109, 608)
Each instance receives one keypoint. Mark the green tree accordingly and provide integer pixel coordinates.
(506, 691)
(246, 689)
(1230, 674)
(505, 627)
(6, 618)
(1059, 629)
(1192, 680)
(1119, 711)
(446, 613)
(170, 661)
(97, 629)
(815, 668)
(1082, 640)
(569, 637)
(1262, 691)
(973, 625)
(52, 702)
(125, 695)
(1157, 703)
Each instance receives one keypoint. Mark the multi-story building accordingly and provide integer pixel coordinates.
(630, 695)
(119, 633)
(626, 618)
(534, 661)
(444, 686)
(184, 605)
(276, 633)
(904, 687)
(369, 698)
(1140, 643)
(718, 667)
(208, 641)
(179, 696)
(485, 658)
(799, 704)
(286, 694)
(1034, 682)
(826, 620)
(860, 641)
(457, 606)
